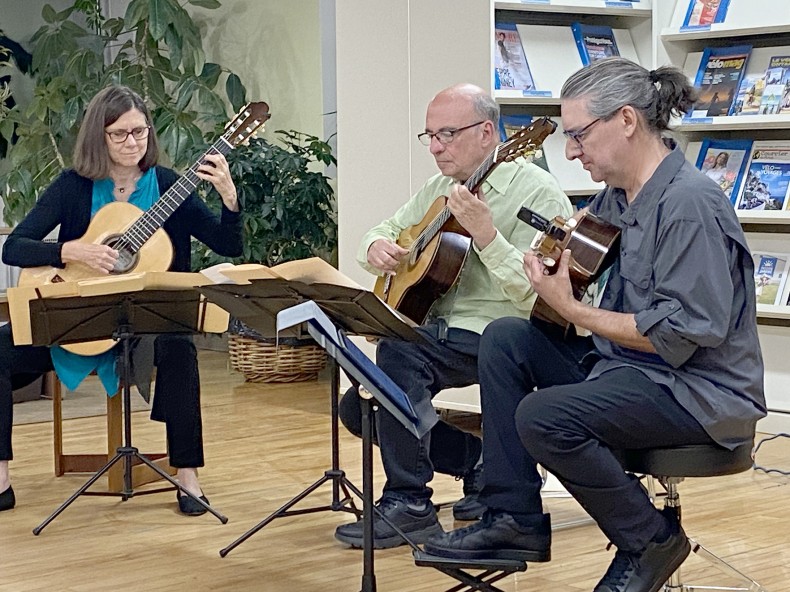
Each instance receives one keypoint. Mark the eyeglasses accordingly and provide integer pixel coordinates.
(578, 135)
(120, 136)
(445, 136)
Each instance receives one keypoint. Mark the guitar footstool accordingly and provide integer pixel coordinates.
(492, 570)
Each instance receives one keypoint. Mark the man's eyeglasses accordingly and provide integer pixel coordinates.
(445, 136)
(578, 135)
(120, 136)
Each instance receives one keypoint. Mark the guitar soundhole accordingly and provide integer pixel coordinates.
(127, 260)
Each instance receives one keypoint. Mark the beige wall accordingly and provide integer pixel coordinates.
(274, 46)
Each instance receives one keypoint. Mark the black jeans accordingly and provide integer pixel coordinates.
(176, 394)
(569, 426)
(421, 370)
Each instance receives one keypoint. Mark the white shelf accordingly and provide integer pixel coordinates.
(737, 123)
(763, 217)
(723, 30)
(510, 97)
(769, 311)
(641, 9)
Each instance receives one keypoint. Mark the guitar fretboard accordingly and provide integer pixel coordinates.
(152, 220)
(473, 183)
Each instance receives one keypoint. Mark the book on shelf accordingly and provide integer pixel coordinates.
(776, 94)
(595, 42)
(747, 101)
(718, 79)
(510, 124)
(767, 179)
(704, 13)
(511, 70)
(724, 161)
(770, 276)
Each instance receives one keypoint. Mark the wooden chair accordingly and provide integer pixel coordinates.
(90, 463)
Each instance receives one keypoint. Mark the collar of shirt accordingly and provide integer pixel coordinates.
(652, 190)
(501, 177)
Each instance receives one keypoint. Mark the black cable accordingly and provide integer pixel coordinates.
(757, 447)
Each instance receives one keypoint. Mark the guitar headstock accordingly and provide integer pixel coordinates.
(248, 121)
(526, 141)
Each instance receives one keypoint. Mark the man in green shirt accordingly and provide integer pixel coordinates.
(461, 130)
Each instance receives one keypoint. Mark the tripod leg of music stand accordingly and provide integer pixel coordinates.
(175, 483)
(276, 514)
(37, 530)
(368, 575)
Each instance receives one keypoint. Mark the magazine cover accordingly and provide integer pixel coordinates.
(594, 42)
(747, 101)
(510, 124)
(767, 178)
(703, 13)
(777, 87)
(724, 161)
(718, 79)
(511, 70)
(770, 276)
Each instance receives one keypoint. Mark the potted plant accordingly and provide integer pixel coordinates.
(156, 49)
(288, 213)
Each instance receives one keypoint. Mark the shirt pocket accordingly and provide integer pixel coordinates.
(637, 275)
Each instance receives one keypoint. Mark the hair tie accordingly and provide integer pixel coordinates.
(653, 76)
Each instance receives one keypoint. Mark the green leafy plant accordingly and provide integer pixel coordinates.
(287, 205)
(156, 49)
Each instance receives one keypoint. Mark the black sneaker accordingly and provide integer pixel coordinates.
(417, 520)
(496, 536)
(649, 570)
(469, 507)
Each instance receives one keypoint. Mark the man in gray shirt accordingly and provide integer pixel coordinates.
(674, 356)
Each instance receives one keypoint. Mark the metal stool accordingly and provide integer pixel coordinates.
(670, 466)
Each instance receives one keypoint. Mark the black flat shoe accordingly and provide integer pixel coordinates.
(7, 499)
(189, 507)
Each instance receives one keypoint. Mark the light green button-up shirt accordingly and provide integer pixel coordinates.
(492, 283)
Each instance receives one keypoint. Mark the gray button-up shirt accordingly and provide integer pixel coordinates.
(686, 274)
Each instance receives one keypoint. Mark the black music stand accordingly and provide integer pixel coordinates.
(353, 310)
(121, 316)
(375, 387)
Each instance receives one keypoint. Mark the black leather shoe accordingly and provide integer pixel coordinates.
(189, 507)
(649, 570)
(496, 536)
(417, 520)
(469, 507)
(7, 499)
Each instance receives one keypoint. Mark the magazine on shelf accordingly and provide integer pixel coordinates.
(718, 79)
(770, 276)
(594, 42)
(776, 94)
(511, 70)
(510, 124)
(747, 101)
(767, 180)
(704, 13)
(724, 161)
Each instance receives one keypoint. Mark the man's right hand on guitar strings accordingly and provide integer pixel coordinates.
(386, 255)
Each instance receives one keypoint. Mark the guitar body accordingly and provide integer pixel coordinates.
(429, 271)
(106, 226)
(593, 244)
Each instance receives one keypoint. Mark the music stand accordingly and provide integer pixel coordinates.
(376, 386)
(121, 316)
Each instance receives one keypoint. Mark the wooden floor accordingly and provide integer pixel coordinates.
(266, 443)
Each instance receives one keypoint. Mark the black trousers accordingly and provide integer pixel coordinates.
(421, 370)
(176, 394)
(570, 426)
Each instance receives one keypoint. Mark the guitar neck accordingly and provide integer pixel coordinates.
(473, 183)
(153, 218)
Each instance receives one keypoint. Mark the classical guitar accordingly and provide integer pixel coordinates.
(141, 242)
(438, 245)
(593, 244)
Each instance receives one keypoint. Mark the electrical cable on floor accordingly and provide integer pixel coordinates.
(757, 447)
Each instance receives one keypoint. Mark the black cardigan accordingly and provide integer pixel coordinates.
(67, 201)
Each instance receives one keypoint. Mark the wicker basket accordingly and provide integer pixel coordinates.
(261, 361)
